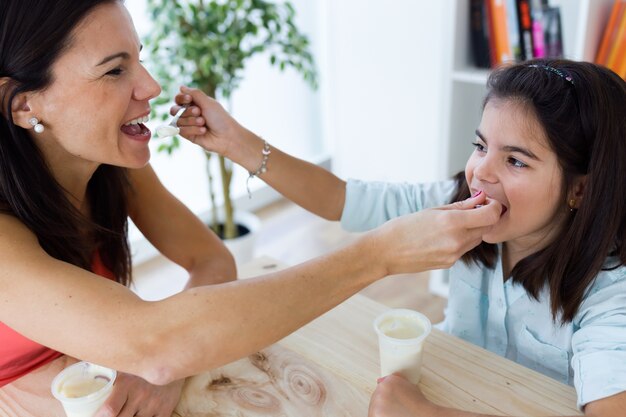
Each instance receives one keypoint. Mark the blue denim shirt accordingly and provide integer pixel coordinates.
(496, 314)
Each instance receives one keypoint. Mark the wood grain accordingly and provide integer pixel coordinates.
(455, 373)
(273, 382)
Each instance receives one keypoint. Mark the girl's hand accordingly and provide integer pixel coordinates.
(133, 396)
(205, 122)
(433, 238)
(396, 397)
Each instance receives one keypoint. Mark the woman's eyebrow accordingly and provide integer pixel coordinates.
(123, 55)
(510, 148)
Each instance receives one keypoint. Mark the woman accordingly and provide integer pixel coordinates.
(74, 164)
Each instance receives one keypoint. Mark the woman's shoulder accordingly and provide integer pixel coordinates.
(14, 232)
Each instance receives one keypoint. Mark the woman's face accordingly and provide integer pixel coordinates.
(99, 87)
(513, 164)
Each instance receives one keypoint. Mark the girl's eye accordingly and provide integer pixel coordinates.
(115, 72)
(517, 163)
(479, 147)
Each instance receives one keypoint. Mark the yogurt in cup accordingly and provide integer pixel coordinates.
(82, 388)
(401, 334)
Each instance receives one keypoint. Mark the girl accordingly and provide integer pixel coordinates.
(547, 286)
(74, 165)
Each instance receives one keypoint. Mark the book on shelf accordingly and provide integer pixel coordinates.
(525, 29)
(499, 46)
(536, 17)
(514, 30)
(552, 32)
(612, 49)
(479, 33)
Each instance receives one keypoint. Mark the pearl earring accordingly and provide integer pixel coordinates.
(34, 122)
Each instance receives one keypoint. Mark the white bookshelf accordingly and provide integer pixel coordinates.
(582, 21)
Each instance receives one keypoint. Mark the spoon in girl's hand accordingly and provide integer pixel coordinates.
(170, 129)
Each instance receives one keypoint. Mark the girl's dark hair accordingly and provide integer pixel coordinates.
(33, 35)
(585, 122)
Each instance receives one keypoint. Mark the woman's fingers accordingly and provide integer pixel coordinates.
(477, 211)
(116, 401)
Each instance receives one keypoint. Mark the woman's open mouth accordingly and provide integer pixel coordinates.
(137, 130)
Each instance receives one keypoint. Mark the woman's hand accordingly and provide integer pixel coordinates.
(133, 396)
(396, 397)
(434, 238)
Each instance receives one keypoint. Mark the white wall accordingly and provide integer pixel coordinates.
(384, 89)
(378, 109)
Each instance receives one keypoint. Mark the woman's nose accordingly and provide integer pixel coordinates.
(147, 87)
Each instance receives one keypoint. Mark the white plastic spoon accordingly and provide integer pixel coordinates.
(170, 129)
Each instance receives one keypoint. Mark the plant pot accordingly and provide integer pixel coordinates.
(242, 247)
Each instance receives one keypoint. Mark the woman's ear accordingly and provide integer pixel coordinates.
(20, 107)
(577, 192)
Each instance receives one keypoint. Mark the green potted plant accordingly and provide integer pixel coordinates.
(206, 44)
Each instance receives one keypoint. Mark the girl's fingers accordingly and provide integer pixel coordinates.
(191, 121)
(183, 99)
(189, 131)
(191, 111)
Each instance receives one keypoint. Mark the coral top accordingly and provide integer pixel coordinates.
(20, 355)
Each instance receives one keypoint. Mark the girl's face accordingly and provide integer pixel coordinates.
(99, 87)
(513, 164)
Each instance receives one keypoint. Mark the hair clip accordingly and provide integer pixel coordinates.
(558, 72)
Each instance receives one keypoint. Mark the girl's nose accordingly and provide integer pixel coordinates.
(485, 171)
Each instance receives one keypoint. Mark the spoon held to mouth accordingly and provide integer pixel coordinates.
(170, 129)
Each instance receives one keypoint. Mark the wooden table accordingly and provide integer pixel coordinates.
(329, 368)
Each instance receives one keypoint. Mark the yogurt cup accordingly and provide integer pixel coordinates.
(82, 388)
(401, 335)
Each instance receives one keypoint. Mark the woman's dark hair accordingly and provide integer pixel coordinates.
(585, 122)
(33, 35)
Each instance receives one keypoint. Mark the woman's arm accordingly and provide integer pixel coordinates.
(80, 314)
(176, 232)
(308, 185)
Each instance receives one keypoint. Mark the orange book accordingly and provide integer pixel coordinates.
(618, 47)
(621, 70)
(499, 31)
(610, 32)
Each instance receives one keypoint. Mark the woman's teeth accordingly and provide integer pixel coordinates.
(140, 120)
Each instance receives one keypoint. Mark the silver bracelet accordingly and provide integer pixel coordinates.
(262, 169)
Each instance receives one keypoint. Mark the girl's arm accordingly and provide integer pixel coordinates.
(82, 315)
(308, 185)
(396, 397)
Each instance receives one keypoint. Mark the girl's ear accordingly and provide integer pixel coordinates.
(577, 192)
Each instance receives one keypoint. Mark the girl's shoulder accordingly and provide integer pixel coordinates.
(606, 293)
(612, 273)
